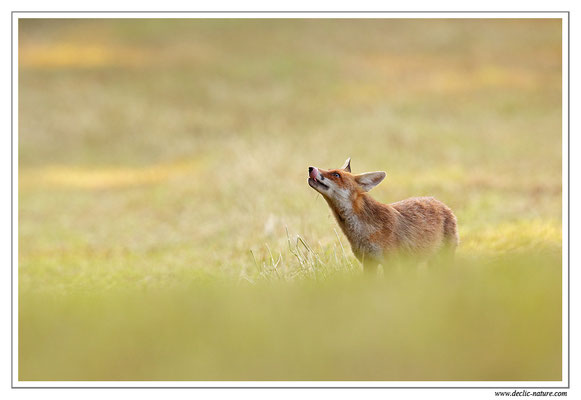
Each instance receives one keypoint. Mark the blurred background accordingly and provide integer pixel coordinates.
(167, 231)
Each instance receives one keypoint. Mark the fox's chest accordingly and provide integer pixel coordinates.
(366, 250)
(361, 238)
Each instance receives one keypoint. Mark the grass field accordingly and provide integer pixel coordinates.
(167, 232)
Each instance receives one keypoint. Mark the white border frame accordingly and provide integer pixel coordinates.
(563, 384)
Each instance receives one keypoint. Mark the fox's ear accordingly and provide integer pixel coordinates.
(369, 180)
(347, 165)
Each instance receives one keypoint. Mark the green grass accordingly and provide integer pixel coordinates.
(498, 321)
(167, 232)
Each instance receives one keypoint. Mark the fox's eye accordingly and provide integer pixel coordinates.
(336, 175)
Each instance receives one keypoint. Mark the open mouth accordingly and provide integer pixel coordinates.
(315, 183)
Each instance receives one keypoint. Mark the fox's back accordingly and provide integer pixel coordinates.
(424, 223)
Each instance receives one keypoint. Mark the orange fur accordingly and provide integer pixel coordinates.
(419, 226)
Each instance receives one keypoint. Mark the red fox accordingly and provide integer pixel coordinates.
(419, 226)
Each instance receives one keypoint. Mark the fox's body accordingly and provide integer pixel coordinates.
(419, 226)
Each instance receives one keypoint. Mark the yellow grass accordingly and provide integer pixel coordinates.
(105, 178)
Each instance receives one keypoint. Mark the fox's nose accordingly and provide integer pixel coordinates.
(313, 172)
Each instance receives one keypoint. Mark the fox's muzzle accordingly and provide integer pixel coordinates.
(316, 180)
(313, 172)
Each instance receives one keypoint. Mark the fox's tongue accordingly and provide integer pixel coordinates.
(314, 173)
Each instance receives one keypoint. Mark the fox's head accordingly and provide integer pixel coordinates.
(340, 186)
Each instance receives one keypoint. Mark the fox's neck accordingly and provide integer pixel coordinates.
(357, 216)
